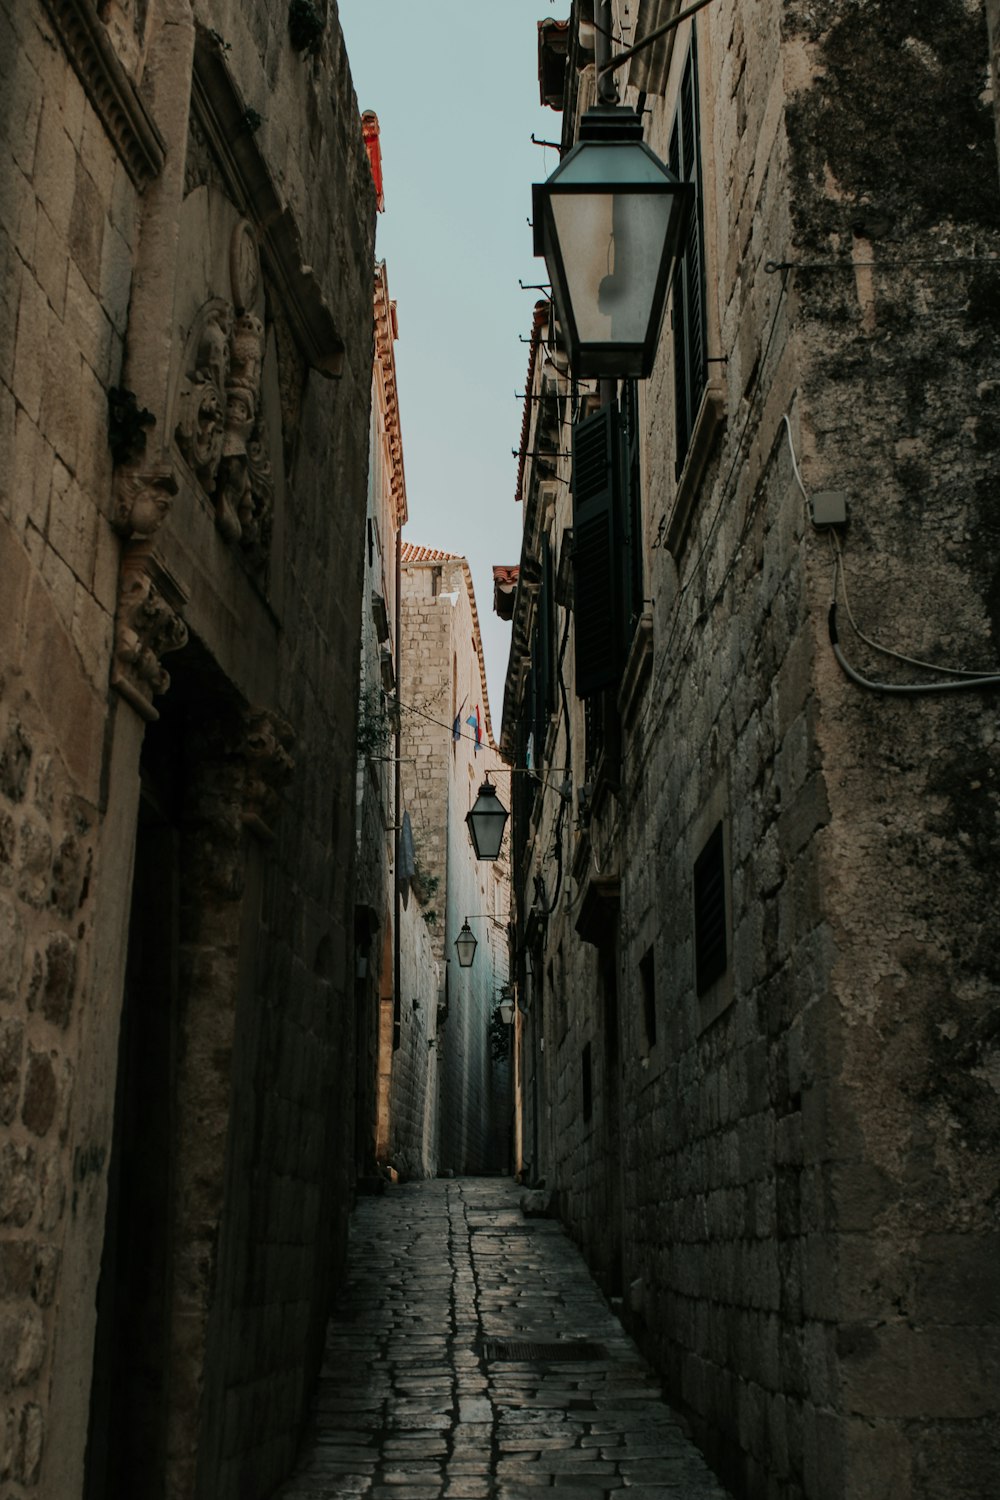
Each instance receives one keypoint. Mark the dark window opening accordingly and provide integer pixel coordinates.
(647, 981)
(609, 988)
(588, 1083)
(710, 947)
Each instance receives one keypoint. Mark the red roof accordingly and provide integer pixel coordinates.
(412, 554)
(370, 130)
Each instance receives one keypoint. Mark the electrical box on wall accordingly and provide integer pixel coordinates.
(829, 508)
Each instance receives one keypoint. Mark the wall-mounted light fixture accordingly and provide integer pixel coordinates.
(610, 222)
(465, 943)
(487, 819)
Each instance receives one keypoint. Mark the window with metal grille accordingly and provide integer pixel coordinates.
(689, 299)
(710, 944)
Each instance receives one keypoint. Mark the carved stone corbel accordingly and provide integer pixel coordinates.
(142, 500)
(147, 626)
(268, 744)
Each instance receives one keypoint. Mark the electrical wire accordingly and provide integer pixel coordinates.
(969, 677)
(502, 770)
(906, 689)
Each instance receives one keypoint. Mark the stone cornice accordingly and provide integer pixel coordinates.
(385, 334)
(221, 112)
(114, 96)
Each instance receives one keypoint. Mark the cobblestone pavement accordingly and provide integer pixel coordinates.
(414, 1402)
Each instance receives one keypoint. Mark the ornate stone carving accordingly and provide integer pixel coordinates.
(244, 266)
(219, 108)
(219, 426)
(110, 89)
(235, 505)
(142, 500)
(201, 418)
(201, 165)
(292, 374)
(269, 767)
(147, 626)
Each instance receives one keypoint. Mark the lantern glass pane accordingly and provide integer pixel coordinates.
(465, 947)
(487, 829)
(612, 164)
(612, 246)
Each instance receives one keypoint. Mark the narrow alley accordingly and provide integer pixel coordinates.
(440, 1378)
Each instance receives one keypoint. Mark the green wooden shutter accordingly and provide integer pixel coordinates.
(631, 515)
(690, 327)
(596, 577)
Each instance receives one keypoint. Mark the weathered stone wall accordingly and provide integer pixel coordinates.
(444, 681)
(125, 204)
(791, 1186)
(413, 1140)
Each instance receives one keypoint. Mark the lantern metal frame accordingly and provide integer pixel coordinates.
(481, 819)
(619, 128)
(468, 940)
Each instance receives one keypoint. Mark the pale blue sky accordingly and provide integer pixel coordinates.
(455, 87)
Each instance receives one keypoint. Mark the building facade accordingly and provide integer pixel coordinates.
(448, 751)
(396, 974)
(751, 869)
(185, 372)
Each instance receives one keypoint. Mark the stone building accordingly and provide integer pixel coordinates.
(447, 751)
(396, 975)
(752, 925)
(186, 251)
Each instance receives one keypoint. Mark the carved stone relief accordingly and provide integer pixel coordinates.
(201, 166)
(269, 767)
(147, 626)
(292, 374)
(219, 427)
(202, 400)
(142, 500)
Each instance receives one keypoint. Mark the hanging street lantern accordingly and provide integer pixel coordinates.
(465, 946)
(506, 1006)
(610, 222)
(487, 819)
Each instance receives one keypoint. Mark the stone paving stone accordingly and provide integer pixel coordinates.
(409, 1408)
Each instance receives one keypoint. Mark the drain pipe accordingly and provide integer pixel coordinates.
(607, 88)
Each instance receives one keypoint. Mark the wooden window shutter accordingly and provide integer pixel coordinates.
(631, 515)
(689, 296)
(542, 657)
(596, 575)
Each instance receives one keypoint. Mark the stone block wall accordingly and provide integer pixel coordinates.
(444, 680)
(414, 1123)
(788, 1181)
(123, 213)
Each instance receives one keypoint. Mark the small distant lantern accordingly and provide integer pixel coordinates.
(487, 819)
(610, 223)
(506, 1006)
(465, 946)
